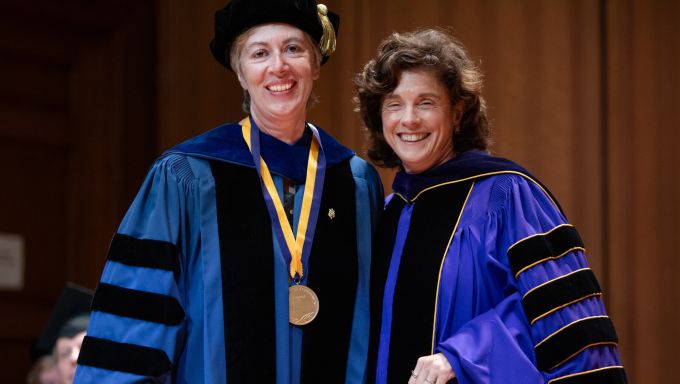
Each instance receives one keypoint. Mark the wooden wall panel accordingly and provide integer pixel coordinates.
(643, 172)
(77, 105)
(22, 39)
(112, 100)
(26, 81)
(195, 93)
(28, 124)
(27, 169)
(33, 157)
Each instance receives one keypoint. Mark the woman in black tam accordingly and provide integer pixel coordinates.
(245, 256)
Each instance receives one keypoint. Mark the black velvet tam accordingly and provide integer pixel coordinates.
(241, 15)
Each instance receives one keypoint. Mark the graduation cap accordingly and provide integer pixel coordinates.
(240, 15)
(69, 317)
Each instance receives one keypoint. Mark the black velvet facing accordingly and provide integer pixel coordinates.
(135, 359)
(248, 282)
(332, 274)
(572, 339)
(385, 235)
(136, 304)
(604, 376)
(433, 219)
(146, 253)
(247, 275)
(537, 248)
(559, 292)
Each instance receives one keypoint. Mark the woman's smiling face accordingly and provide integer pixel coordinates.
(277, 67)
(418, 120)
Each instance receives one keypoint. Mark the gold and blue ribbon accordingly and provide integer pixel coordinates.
(295, 248)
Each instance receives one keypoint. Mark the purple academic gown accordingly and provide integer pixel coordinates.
(474, 259)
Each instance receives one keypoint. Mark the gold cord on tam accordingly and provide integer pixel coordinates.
(327, 43)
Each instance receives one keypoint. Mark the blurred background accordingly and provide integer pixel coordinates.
(584, 93)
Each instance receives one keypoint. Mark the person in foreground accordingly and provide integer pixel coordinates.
(211, 277)
(477, 275)
(67, 346)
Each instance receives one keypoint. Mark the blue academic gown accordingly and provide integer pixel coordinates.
(476, 261)
(195, 289)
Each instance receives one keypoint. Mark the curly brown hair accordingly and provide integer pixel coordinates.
(435, 50)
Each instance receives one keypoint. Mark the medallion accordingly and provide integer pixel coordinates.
(303, 304)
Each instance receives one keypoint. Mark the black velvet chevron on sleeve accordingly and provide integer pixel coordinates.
(144, 253)
(538, 248)
(609, 375)
(560, 292)
(136, 304)
(123, 357)
(572, 339)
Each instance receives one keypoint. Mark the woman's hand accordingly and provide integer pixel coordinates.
(433, 369)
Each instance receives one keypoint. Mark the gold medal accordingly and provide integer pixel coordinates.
(303, 305)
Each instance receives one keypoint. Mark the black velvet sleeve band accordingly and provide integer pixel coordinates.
(130, 358)
(572, 339)
(144, 253)
(609, 375)
(136, 304)
(545, 246)
(560, 292)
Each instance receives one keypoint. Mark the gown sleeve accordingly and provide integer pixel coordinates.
(545, 321)
(138, 318)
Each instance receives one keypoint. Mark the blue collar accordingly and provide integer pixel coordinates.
(465, 165)
(225, 143)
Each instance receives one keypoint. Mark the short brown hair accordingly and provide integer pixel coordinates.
(434, 50)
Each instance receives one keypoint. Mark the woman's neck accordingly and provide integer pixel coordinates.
(289, 129)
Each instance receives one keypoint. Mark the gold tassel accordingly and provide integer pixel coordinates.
(327, 43)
